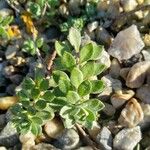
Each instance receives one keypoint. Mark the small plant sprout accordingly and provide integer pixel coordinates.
(70, 92)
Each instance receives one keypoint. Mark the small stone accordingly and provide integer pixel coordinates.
(63, 10)
(5, 12)
(146, 54)
(3, 4)
(16, 79)
(2, 121)
(9, 136)
(85, 148)
(74, 7)
(143, 93)
(92, 26)
(9, 70)
(10, 89)
(126, 44)
(140, 1)
(53, 128)
(127, 139)
(115, 68)
(2, 148)
(104, 139)
(128, 5)
(109, 109)
(147, 39)
(11, 51)
(124, 72)
(118, 99)
(137, 74)
(68, 140)
(132, 114)
(103, 36)
(18, 61)
(44, 146)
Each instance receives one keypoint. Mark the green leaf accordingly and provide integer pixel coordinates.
(97, 51)
(75, 38)
(28, 83)
(34, 8)
(31, 110)
(39, 42)
(35, 93)
(36, 129)
(58, 103)
(97, 86)
(44, 85)
(86, 52)
(48, 96)
(45, 115)
(65, 111)
(6, 21)
(88, 69)
(64, 85)
(68, 60)
(73, 97)
(84, 88)
(98, 68)
(39, 75)
(37, 120)
(76, 77)
(3, 33)
(16, 109)
(40, 104)
(61, 47)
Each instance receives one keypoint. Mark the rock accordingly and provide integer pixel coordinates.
(2, 121)
(9, 136)
(6, 102)
(16, 79)
(27, 141)
(128, 5)
(124, 72)
(5, 12)
(104, 139)
(2, 148)
(127, 139)
(140, 2)
(132, 114)
(85, 148)
(53, 128)
(74, 7)
(147, 39)
(3, 4)
(94, 131)
(143, 93)
(145, 141)
(109, 109)
(113, 126)
(111, 82)
(10, 89)
(126, 44)
(68, 140)
(137, 74)
(103, 36)
(11, 51)
(115, 68)
(118, 99)
(146, 54)
(43, 146)
(92, 26)
(63, 10)
(18, 61)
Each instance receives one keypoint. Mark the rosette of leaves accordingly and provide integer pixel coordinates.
(4, 23)
(73, 82)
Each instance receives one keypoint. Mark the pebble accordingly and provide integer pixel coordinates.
(132, 114)
(109, 109)
(74, 7)
(126, 44)
(124, 72)
(2, 121)
(5, 12)
(115, 68)
(92, 26)
(137, 74)
(9, 136)
(127, 138)
(104, 139)
(146, 54)
(147, 39)
(53, 128)
(85, 148)
(10, 89)
(16, 79)
(118, 99)
(2, 148)
(17, 61)
(11, 51)
(3, 4)
(143, 93)
(128, 5)
(68, 140)
(43, 146)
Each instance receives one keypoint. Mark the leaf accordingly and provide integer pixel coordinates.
(65, 111)
(36, 129)
(86, 52)
(98, 68)
(7, 20)
(76, 77)
(97, 51)
(26, 17)
(39, 75)
(64, 85)
(28, 83)
(37, 120)
(13, 32)
(39, 42)
(31, 110)
(88, 69)
(74, 38)
(44, 85)
(3, 33)
(48, 96)
(45, 115)
(84, 88)
(97, 86)
(35, 9)
(35, 93)
(40, 104)
(61, 47)
(68, 60)
(72, 97)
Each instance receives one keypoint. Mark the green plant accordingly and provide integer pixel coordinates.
(68, 91)
(4, 23)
